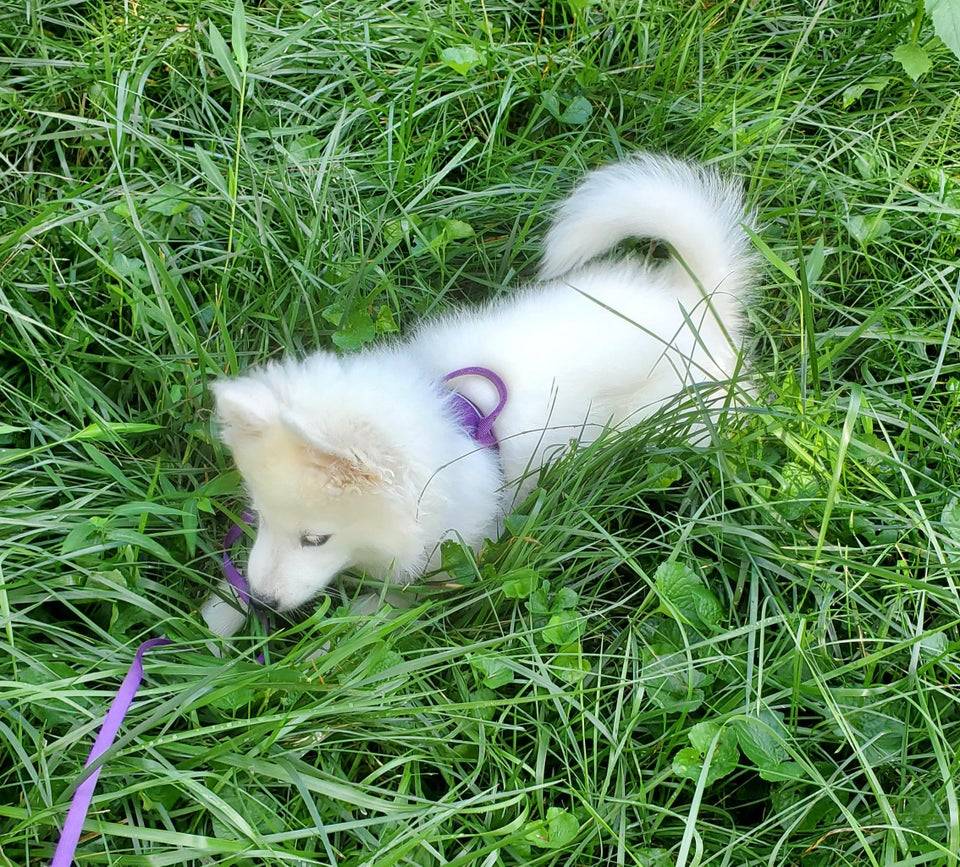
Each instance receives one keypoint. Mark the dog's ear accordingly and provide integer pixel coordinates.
(341, 474)
(354, 459)
(245, 408)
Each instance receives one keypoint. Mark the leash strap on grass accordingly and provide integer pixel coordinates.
(233, 575)
(80, 803)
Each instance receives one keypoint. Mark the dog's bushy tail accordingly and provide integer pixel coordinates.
(698, 213)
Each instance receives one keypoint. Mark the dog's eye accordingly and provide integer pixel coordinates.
(313, 540)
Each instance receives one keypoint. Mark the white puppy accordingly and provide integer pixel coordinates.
(369, 460)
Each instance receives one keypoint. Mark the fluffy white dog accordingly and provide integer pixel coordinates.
(369, 460)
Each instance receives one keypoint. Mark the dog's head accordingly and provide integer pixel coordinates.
(330, 483)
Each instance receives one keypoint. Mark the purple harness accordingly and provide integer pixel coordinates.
(478, 425)
(480, 428)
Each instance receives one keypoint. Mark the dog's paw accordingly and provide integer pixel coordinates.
(222, 618)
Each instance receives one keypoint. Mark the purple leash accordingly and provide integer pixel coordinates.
(233, 575)
(80, 803)
(478, 425)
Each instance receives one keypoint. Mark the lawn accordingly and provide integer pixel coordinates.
(740, 654)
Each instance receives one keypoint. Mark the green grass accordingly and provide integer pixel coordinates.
(786, 602)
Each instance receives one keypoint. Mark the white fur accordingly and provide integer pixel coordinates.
(223, 617)
(365, 447)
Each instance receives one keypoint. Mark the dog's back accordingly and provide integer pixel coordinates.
(609, 341)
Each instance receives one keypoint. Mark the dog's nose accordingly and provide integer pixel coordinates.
(265, 600)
